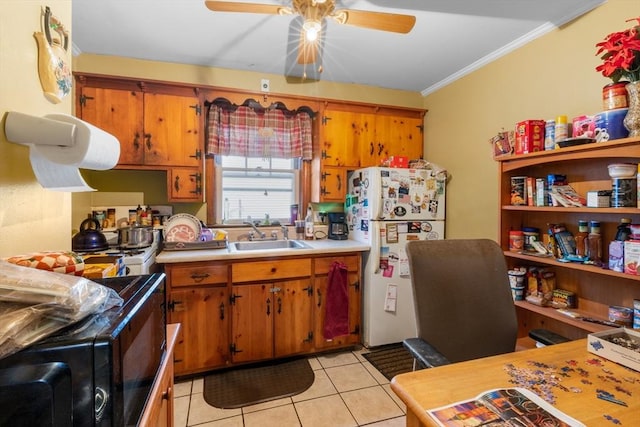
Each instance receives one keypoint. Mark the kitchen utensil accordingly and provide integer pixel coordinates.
(135, 236)
(89, 239)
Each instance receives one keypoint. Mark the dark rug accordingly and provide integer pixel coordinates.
(390, 360)
(239, 387)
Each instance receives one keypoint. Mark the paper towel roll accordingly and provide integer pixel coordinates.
(92, 148)
(56, 177)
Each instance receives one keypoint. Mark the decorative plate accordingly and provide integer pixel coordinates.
(182, 228)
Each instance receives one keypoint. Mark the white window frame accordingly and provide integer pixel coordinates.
(220, 209)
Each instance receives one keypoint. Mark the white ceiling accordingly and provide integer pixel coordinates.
(450, 37)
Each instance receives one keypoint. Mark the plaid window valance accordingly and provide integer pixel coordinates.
(249, 130)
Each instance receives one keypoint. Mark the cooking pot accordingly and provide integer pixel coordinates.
(89, 239)
(135, 236)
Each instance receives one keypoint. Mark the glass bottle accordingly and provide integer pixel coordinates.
(594, 243)
(581, 238)
(624, 230)
(308, 224)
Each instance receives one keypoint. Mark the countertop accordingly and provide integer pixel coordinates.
(316, 247)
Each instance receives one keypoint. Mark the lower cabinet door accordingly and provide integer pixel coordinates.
(292, 320)
(252, 322)
(322, 267)
(203, 341)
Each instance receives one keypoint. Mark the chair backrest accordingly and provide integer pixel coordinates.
(462, 296)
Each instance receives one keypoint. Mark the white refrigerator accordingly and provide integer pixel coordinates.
(386, 208)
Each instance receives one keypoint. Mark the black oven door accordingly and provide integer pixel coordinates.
(36, 395)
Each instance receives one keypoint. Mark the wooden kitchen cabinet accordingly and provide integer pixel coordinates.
(158, 411)
(354, 136)
(271, 309)
(184, 184)
(158, 126)
(344, 134)
(333, 184)
(596, 288)
(395, 135)
(198, 299)
(242, 311)
(322, 266)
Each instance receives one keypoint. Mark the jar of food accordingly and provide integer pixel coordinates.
(516, 240)
(614, 96)
(530, 234)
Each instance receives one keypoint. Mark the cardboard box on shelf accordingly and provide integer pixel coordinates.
(529, 136)
(619, 345)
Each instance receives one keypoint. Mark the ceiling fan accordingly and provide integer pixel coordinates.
(313, 13)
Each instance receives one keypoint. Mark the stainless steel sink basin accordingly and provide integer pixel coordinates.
(264, 245)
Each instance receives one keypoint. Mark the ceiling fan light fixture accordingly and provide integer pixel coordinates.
(311, 28)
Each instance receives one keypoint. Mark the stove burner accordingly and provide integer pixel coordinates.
(125, 251)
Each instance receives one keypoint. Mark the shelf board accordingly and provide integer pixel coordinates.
(553, 314)
(562, 209)
(571, 265)
(626, 147)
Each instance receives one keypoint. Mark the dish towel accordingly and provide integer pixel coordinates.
(336, 317)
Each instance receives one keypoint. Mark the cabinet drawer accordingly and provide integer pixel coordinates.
(198, 274)
(270, 270)
(323, 265)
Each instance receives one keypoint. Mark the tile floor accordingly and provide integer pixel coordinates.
(347, 392)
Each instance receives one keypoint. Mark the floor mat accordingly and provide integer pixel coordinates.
(239, 387)
(390, 360)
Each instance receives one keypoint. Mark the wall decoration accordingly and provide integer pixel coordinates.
(53, 63)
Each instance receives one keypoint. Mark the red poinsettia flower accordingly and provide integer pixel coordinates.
(621, 54)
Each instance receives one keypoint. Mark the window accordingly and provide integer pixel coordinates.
(255, 187)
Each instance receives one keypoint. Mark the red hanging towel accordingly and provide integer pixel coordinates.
(336, 316)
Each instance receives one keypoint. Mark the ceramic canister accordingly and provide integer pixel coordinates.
(608, 125)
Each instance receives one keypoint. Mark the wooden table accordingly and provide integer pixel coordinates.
(580, 373)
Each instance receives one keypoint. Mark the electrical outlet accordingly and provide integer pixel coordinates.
(264, 85)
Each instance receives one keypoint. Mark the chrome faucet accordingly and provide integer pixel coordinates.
(257, 230)
(285, 232)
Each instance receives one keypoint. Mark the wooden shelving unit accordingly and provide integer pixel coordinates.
(597, 288)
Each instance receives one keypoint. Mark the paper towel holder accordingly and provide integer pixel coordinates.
(60, 133)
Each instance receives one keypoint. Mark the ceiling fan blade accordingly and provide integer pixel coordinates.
(392, 22)
(230, 6)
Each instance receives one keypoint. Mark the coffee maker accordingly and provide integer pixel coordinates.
(338, 229)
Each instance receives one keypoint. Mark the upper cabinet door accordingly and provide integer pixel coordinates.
(119, 112)
(171, 130)
(343, 135)
(398, 136)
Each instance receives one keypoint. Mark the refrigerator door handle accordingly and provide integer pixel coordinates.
(374, 229)
(375, 194)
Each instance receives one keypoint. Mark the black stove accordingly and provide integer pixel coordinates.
(97, 372)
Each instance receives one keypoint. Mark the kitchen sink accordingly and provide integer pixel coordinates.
(262, 245)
